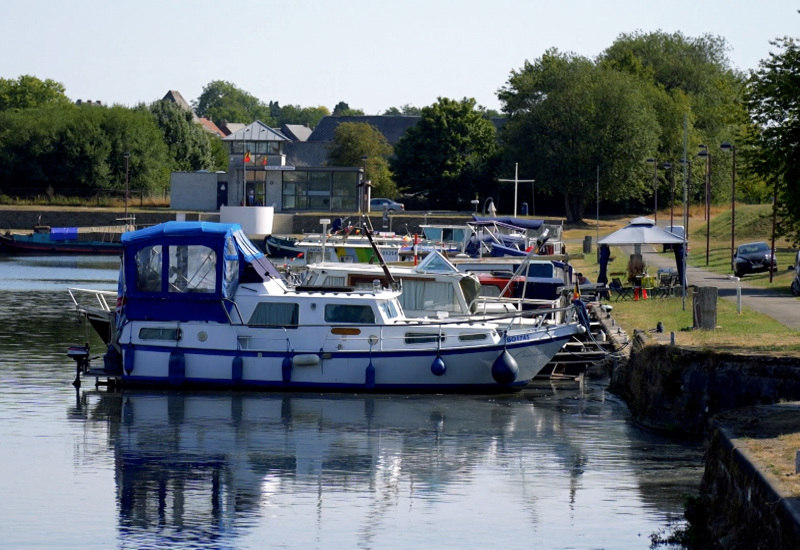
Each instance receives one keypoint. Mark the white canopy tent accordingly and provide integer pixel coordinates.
(641, 231)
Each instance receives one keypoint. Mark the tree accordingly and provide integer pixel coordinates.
(566, 117)
(352, 141)
(28, 92)
(188, 143)
(773, 98)
(448, 154)
(78, 151)
(685, 76)
(295, 114)
(343, 109)
(405, 110)
(222, 100)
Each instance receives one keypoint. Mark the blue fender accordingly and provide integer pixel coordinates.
(505, 368)
(438, 367)
(177, 368)
(129, 354)
(237, 370)
(286, 370)
(369, 376)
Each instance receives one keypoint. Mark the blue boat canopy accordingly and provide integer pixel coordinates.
(188, 270)
(517, 223)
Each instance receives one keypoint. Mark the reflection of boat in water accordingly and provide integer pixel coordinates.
(233, 470)
(200, 306)
(231, 460)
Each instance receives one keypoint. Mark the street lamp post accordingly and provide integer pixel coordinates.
(774, 220)
(707, 155)
(127, 156)
(725, 146)
(362, 199)
(668, 167)
(654, 162)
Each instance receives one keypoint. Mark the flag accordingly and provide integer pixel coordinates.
(247, 157)
(264, 161)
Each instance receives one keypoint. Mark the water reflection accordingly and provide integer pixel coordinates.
(228, 467)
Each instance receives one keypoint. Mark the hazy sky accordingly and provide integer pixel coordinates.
(371, 54)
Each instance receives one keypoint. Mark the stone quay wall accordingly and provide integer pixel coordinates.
(678, 391)
(742, 505)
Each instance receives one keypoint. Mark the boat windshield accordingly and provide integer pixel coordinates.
(192, 268)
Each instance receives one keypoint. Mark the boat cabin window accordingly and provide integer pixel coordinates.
(148, 269)
(390, 310)
(423, 337)
(429, 295)
(192, 268)
(341, 313)
(277, 314)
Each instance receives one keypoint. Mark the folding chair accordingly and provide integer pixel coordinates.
(622, 292)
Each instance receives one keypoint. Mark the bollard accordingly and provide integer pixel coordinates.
(671, 338)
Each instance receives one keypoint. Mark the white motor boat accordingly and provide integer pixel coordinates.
(200, 306)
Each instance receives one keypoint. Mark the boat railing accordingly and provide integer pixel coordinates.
(92, 301)
(417, 333)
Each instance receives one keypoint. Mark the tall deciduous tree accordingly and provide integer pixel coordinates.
(567, 117)
(687, 77)
(222, 100)
(28, 91)
(352, 141)
(448, 155)
(773, 97)
(188, 143)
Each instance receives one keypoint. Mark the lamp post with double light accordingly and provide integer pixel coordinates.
(654, 162)
(725, 146)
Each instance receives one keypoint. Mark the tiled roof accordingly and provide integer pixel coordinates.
(392, 127)
(209, 126)
(296, 132)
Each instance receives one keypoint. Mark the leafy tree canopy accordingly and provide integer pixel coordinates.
(223, 101)
(405, 110)
(295, 114)
(566, 117)
(28, 91)
(448, 155)
(352, 141)
(190, 146)
(343, 109)
(773, 98)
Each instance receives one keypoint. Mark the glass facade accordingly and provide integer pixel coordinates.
(320, 189)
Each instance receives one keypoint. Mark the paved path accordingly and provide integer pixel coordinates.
(782, 307)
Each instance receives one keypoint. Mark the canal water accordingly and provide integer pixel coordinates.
(560, 465)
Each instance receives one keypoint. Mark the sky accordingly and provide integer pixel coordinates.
(373, 55)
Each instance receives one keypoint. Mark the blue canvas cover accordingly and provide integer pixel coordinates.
(159, 280)
(63, 233)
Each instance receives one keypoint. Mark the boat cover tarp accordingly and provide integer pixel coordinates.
(229, 243)
(63, 233)
(510, 220)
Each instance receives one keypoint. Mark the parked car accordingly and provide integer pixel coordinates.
(678, 231)
(753, 258)
(796, 281)
(380, 204)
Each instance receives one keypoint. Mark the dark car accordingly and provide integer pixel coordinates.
(753, 258)
(379, 205)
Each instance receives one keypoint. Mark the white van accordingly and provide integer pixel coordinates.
(679, 232)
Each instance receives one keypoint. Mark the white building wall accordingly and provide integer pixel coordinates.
(193, 191)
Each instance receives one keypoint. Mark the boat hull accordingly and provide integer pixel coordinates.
(257, 359)
(12, 243)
